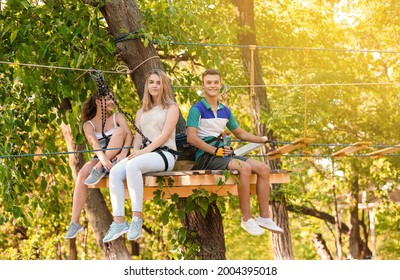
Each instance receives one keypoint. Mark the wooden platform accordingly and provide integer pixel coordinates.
(184, 182)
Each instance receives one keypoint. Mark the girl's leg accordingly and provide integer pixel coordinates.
(117, 196)
(117, 140)
(117, 190)
(79, 199)
(136, 167)
(81, 191)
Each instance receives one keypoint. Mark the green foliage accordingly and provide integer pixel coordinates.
(36, 191)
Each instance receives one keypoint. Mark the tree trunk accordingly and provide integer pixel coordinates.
(96, 209)
(281, 244)
(338, 224)
(354, 239)
(123, 17)
(320, 245)
(209, 231)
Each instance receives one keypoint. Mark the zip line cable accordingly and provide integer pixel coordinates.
(182, 86)
(285, 48)
(129, 147)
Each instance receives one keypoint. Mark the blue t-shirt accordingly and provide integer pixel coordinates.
(209, 123)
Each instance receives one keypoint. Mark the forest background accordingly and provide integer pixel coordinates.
(330, 70)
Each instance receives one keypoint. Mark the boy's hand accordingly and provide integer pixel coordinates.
(269, 144)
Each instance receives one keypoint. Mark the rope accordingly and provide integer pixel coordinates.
(252, 49)
(124, 71)
(276, 143)
(305, 94)
(52, 67)
(300, 155)
(61, 153)
(284, 48)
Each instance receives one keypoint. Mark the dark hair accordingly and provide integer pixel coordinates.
(89, 109)
(210, 72)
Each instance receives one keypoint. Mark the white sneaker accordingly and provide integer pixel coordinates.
(252, 227)
(269, 224)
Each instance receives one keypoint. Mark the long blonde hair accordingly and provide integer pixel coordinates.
(166, 96)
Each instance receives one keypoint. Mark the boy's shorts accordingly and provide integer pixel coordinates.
(212, 162)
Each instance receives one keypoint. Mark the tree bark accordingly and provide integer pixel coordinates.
(282, 245)
(354, 239)
(320, 245)
(209, 231)
(123, 17)
(96, 209)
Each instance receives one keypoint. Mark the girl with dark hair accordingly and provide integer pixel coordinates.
(103, 129)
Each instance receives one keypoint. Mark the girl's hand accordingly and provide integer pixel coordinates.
(119, 157)
(135, 154)
(107, 164)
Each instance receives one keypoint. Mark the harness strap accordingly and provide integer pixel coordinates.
(160, 152)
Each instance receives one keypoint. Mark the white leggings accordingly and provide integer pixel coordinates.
(132, 170)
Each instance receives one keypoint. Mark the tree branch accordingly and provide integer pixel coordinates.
(317, 214)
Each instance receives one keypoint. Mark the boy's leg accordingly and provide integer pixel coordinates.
(263, 189)
(263, 186)
(244, 170)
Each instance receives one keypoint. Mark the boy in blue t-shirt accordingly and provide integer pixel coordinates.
(206, 124)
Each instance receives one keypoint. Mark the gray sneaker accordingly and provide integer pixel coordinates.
(115, 231)
(73, 230)
(94, 177)
(135, 228)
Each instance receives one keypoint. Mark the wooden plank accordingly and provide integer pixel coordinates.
(382, 152)
(351, 149)
(290, 147)
(184, 182)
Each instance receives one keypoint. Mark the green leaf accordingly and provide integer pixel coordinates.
(43, 184)
(165, 217)
(13, 35)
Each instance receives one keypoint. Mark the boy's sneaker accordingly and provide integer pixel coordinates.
(94, 177)
(252, 227)
(73, 230)
(115, 231)
(269, 224)
(135, 228)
